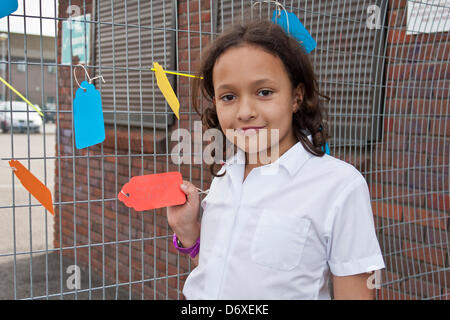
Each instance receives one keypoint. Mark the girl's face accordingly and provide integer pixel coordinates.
(253, 92)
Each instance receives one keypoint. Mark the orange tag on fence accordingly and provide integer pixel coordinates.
(153, 191)
(33, 185)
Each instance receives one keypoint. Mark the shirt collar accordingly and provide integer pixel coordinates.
(292, 160)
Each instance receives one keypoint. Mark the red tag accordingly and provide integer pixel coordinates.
(153, 191)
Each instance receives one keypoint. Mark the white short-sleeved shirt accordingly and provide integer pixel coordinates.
(278, 236)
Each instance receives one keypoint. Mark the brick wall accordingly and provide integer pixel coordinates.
(406, 177)
(96, 175)
(409, 183)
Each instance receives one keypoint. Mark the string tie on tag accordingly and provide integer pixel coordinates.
(279, 7)
(201, 191)
(87, 74)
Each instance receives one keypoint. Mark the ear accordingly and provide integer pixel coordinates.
(298, 94)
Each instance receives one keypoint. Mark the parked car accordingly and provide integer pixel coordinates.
(21, 119)
(49, 112)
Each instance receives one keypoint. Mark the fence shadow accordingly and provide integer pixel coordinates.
(39, 277)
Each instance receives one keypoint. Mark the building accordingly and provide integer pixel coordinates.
(29, 65)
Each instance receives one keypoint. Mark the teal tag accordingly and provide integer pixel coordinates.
(327, 149)
(292, 25)
(88, 120)
(7, 7)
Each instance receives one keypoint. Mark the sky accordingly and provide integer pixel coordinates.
(16, 24)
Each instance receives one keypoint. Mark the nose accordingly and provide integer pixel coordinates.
(246, 110)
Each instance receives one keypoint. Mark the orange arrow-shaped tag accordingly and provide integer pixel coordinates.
(153, 191)
(33, 185)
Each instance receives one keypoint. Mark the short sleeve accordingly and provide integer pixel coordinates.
(352, 244)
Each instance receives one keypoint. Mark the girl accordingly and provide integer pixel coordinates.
(273, 236)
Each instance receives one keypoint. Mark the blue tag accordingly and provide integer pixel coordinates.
(88, 116)
(327, 149)
(7, 7)
(296, 29)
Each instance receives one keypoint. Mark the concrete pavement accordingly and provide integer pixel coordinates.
(25, 229)
(44, 276)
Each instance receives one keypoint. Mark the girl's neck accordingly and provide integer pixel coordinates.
(282, 148)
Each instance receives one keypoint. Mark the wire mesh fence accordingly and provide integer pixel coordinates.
(384, 64)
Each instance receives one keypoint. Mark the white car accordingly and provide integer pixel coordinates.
(21, 118)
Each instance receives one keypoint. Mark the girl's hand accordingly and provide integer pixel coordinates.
(184, 218)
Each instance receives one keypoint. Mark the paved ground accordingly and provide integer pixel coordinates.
(39, 277)
(24, 229)
(21, 222)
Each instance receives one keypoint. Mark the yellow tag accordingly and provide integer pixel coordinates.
(166, 89)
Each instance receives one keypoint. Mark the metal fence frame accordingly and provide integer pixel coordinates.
(12, 207)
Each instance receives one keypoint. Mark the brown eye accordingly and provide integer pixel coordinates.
(227, 97)
(265, 92)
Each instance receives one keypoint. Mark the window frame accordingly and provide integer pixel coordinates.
(143, 119)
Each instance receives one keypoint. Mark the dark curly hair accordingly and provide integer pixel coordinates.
(311, 115)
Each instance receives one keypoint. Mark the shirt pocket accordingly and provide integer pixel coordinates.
(279, 240)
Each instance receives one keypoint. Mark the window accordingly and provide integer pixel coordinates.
(348, 60)
(349, 66)
(120, 43)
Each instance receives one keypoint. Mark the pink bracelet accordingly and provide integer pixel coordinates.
(192, 251)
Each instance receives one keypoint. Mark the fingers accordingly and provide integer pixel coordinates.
(190, 190)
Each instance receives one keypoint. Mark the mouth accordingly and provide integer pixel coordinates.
(248, 130)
